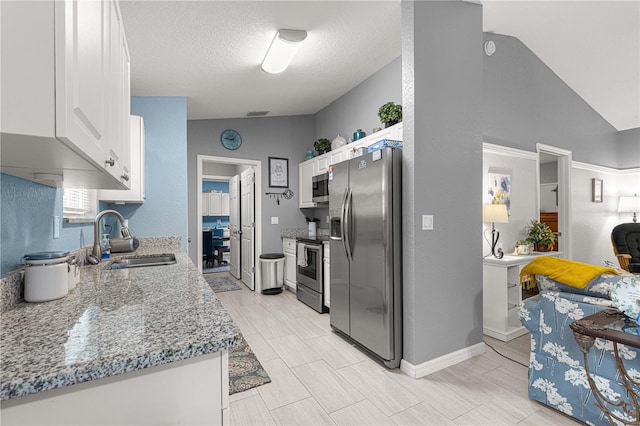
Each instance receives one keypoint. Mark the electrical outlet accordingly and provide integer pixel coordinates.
(56, 227)
(427, 222)
(275, 220)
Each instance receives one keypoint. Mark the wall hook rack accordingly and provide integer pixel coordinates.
(286, 194)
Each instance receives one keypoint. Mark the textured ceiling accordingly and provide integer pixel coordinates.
(210, 51)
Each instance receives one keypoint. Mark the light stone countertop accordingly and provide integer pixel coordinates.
(301, 232)
(114, 322)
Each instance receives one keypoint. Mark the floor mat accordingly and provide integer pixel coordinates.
(219, 268)
(245, 371)
(220, 284)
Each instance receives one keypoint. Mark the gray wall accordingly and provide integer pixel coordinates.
(442, 99)
(629, 149)
(285, 137)
(525, 103)
(358, 109)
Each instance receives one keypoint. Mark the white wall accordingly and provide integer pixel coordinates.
(592, 223)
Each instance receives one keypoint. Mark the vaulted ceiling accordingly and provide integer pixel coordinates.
(210, 51)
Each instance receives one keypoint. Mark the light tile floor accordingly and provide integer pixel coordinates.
(318, 378)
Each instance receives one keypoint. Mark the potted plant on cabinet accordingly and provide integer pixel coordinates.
(390, 114)
(541, 236)
(322, 145)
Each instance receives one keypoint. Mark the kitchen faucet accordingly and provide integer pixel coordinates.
(97, 249)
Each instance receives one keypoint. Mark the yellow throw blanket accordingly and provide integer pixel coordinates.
(569, 272)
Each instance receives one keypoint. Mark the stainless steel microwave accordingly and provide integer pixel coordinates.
(320, 188)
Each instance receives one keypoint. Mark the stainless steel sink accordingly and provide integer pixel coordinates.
(144, 261)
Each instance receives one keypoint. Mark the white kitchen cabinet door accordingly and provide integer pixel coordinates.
(204, 204)
(119, 108)
(82, 86)
(137, 192)
(225, 205)
(306, 172)
(322, 163)
(290, 262)
(215, 204)
(338, 156)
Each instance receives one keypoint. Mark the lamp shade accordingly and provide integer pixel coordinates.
(282, 50)
(628, 204)
(496, 213)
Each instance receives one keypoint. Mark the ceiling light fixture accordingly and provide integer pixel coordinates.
(282, 50)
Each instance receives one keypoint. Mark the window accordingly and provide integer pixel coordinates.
(80, 203)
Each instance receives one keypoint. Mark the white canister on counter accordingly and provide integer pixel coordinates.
(312, 229)
(74, 272)
(46, 276)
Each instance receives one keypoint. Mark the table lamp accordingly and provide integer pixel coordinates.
(495, 213)
(628, 204)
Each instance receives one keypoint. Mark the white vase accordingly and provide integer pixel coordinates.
(338, 141)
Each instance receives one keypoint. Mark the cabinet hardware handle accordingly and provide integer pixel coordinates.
(125, 177)
(111, 162)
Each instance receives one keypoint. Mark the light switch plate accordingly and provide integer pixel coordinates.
(275, 220)
(427, 222)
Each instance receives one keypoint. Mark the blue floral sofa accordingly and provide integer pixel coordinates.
(557, 376)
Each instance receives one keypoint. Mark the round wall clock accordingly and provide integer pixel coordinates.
(231, 139)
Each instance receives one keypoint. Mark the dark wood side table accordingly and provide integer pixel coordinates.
(612, 325)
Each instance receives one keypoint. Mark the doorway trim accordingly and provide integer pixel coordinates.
(564, 193)
(201, 159)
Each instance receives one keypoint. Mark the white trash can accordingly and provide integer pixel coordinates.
(272, 272)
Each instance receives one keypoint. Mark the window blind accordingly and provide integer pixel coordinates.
(80, 203)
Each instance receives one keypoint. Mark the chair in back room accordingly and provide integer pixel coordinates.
(626, 246)
(219, 247)
(207, 247)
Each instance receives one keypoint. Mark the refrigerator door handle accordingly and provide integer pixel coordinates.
(346, 236)
(342, 218)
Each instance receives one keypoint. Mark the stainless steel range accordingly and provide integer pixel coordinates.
(309, 277)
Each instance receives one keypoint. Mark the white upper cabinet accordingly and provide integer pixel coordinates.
(305, 173)
(321, 163)
(136, 194)
(65, 93)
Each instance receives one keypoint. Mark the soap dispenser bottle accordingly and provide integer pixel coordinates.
(106, 247)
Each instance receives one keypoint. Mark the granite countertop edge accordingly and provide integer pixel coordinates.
(220, 332)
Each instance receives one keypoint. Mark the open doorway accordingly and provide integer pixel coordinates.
(223, 168)
(554, 193)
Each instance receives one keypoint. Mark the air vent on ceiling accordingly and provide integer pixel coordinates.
(257, 113)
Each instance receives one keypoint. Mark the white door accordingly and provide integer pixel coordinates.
(247, 222)
(234, 226)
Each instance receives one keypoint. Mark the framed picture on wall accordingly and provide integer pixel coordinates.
(596, 190)
(278, 172)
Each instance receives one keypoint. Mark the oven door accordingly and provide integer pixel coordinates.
(311, 275)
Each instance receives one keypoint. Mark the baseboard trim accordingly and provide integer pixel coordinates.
(442, 362)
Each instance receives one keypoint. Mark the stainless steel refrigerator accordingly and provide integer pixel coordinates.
(365, 239)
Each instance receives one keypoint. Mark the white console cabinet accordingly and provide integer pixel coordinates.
(502, 293)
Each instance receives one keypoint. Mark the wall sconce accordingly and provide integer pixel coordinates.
(282, 50)
(495, 213)
(628, 204)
